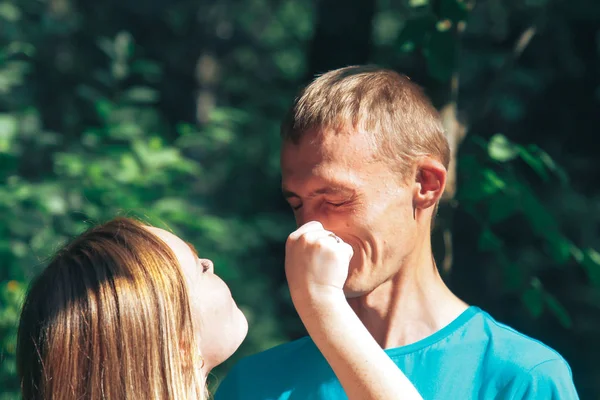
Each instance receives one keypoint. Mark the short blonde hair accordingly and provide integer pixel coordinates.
(389, 106)
(109, 318)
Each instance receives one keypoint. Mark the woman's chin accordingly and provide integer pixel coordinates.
(240, 326)
(243, 327)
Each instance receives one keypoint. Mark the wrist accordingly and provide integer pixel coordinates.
(317, 297)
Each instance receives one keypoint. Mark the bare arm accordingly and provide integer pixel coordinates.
(317, 267)
(363, 368)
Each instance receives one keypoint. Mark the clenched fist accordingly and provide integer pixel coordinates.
(316, 262)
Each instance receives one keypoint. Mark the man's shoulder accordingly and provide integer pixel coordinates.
(516, 354)
(530, 368)
(275, 372)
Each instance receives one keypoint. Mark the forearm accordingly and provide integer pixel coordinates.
(363, 368)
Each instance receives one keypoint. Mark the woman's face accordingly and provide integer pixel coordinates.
(218, 322)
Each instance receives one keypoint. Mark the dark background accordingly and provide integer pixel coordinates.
(169, 110)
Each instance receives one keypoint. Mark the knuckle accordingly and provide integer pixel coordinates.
(293, 237)
(316, 224)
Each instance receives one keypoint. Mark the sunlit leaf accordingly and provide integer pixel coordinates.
(16, 47)
(492, 182)
(129, 170)
(501, 149)
(386, 27)
(8, 129)
(591, 264)
(123, 45)
(534, 162)
(141, 94)
(418, 3)
(534, 301)
(551, 164)
(9, 12)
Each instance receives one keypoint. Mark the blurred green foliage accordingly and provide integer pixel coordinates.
(170, 112)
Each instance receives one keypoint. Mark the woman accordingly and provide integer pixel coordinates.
(128, 311)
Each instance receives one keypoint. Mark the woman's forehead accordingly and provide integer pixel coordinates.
(170, 239)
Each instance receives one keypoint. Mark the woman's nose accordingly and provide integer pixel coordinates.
(207, 265)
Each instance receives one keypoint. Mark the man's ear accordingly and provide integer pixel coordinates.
(430, 181)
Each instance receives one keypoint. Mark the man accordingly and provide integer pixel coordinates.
(364, 154)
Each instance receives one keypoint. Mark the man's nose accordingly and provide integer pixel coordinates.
(305, 215)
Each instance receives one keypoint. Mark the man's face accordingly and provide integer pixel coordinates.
(340, 181)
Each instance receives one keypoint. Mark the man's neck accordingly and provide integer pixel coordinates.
(412, 305)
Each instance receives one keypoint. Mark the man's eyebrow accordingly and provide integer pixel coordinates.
(324, 190)
(331, 190)
(288, 193)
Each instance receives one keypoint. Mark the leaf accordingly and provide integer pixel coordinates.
(290, 62)
(501, 149)
(126, 130)
(104, 108)
(106, 45)
(501, 207)
(150, 70)
(9, 12)
(558, 310)
(55, 204)
(591, 264)
(9, 126)
(577, 254)
(551, 165)
(89, 93)
(417, 3)
(534, 301)
(129, 170)
(70, 165)
(534, 162)
(172, 208)
(513, 274)
(123, 45)
(224, 115)
(492, 183)
(488, 241)
(141, 94)
(559, 247)
(541, 221)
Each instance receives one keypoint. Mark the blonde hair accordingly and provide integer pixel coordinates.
(387, 105)
(109, 318)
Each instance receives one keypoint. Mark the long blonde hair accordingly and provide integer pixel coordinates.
(109, 318)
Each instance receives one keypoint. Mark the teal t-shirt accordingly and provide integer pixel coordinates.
(474, 357)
